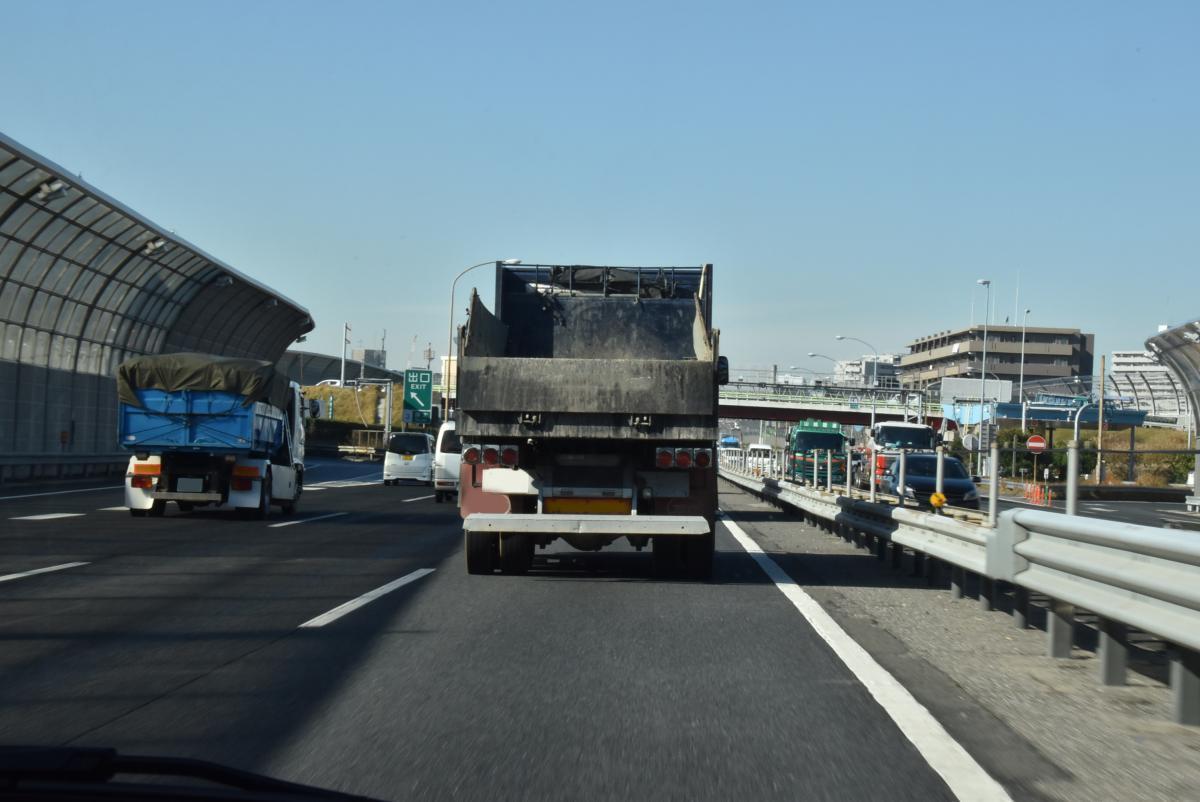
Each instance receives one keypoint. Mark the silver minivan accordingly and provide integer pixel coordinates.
(446, 460)
(409, 458)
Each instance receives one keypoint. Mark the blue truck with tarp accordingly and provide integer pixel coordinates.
(209, 430)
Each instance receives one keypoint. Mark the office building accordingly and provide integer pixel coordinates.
(1050, 353)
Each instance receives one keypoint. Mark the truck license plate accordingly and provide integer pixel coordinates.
(189, 484)
(588, 506)
(407, 457)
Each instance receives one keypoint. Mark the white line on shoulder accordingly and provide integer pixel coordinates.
(966, 778)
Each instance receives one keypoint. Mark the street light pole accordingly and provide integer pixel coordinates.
(450, 333)
(345, 341)
(987, 312)
(1021, 391)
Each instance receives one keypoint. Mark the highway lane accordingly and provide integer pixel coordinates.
(590, 678)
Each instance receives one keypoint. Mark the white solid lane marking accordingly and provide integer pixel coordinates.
(10, 577)
(49, 516)
(418, 498)
(366, 598)
(112, 509)
(1099, 508)
(61, 492)
(313, 487)
(966, 778)
(306, 520)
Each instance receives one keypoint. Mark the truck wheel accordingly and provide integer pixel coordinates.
(698, 556)
(481, 550)
(185, 506)
(158, 509)
(516, 553)
(438, 497)
(137, 513)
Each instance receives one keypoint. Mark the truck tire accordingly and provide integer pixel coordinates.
(698, 557)
(137, 513)
(516, 553)
(481, 548)
(185, 506)
(159, 508)
(438, 497)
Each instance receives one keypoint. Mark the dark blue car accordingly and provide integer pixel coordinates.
(920, 478)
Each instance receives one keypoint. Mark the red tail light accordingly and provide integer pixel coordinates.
(703, 458)
(509, 455)
(144, 482)
(471, 455)
(241, 483)
(664, 458)
(683, 458)
(491, 455)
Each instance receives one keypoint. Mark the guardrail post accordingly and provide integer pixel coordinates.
(897, 556)
(987, 592)
(940, 482)
(871, 474)
(849, 462)
(918, 567)
(1021, 607)
(993, 484)
(1113, 652)
(1185, 686)
(816, 469)
(1060, 629)
(902, 479)
(829, 470)
(931, 570)
(1072, 477)
(958, 578)
(881, 548)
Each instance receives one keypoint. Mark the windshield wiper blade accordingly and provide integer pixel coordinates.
(84, 765)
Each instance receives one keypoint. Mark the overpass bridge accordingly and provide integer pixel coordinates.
(847, 405)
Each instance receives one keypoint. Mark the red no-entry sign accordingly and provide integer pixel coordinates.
(1036, 444)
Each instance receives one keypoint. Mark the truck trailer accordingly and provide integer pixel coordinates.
(587, 410)
(210, 430)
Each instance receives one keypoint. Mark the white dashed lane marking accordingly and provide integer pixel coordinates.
(49, 516)
(35, 571)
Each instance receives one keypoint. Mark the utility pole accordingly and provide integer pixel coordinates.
(345, 342)
(1100, 429)
(428, 356)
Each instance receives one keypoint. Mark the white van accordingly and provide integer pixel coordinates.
(409, 458)
(446, 460)
(760, 460)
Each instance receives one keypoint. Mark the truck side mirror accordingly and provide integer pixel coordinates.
(722, 370)
(314, 407)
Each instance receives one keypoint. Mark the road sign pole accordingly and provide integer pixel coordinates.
(1073, 477)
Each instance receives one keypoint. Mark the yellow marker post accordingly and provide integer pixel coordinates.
(937, 501)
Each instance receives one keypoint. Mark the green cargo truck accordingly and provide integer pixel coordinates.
(810, 440)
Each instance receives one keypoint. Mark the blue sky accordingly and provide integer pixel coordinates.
(848, 167)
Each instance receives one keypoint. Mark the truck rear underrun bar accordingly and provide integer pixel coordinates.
(617, 525)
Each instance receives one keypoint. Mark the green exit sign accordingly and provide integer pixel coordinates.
(418, 396)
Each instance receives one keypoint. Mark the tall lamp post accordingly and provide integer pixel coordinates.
(834, 361)
(874, 365)
(987, 314)
(450, 333)
(1021, 383)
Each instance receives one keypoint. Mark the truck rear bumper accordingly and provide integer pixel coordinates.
(619, 525)
(196, 497)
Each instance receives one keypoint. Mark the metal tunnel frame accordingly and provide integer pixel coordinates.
(86, 282)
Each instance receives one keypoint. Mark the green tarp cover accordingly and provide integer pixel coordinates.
(255, 379)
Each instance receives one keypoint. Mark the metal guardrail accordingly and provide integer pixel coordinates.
(26, 467)
(1130, 576)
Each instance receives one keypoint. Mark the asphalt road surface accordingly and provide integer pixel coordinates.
(347, 647)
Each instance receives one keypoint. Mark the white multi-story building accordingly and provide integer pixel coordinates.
(1146, 384)
(861, 372)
